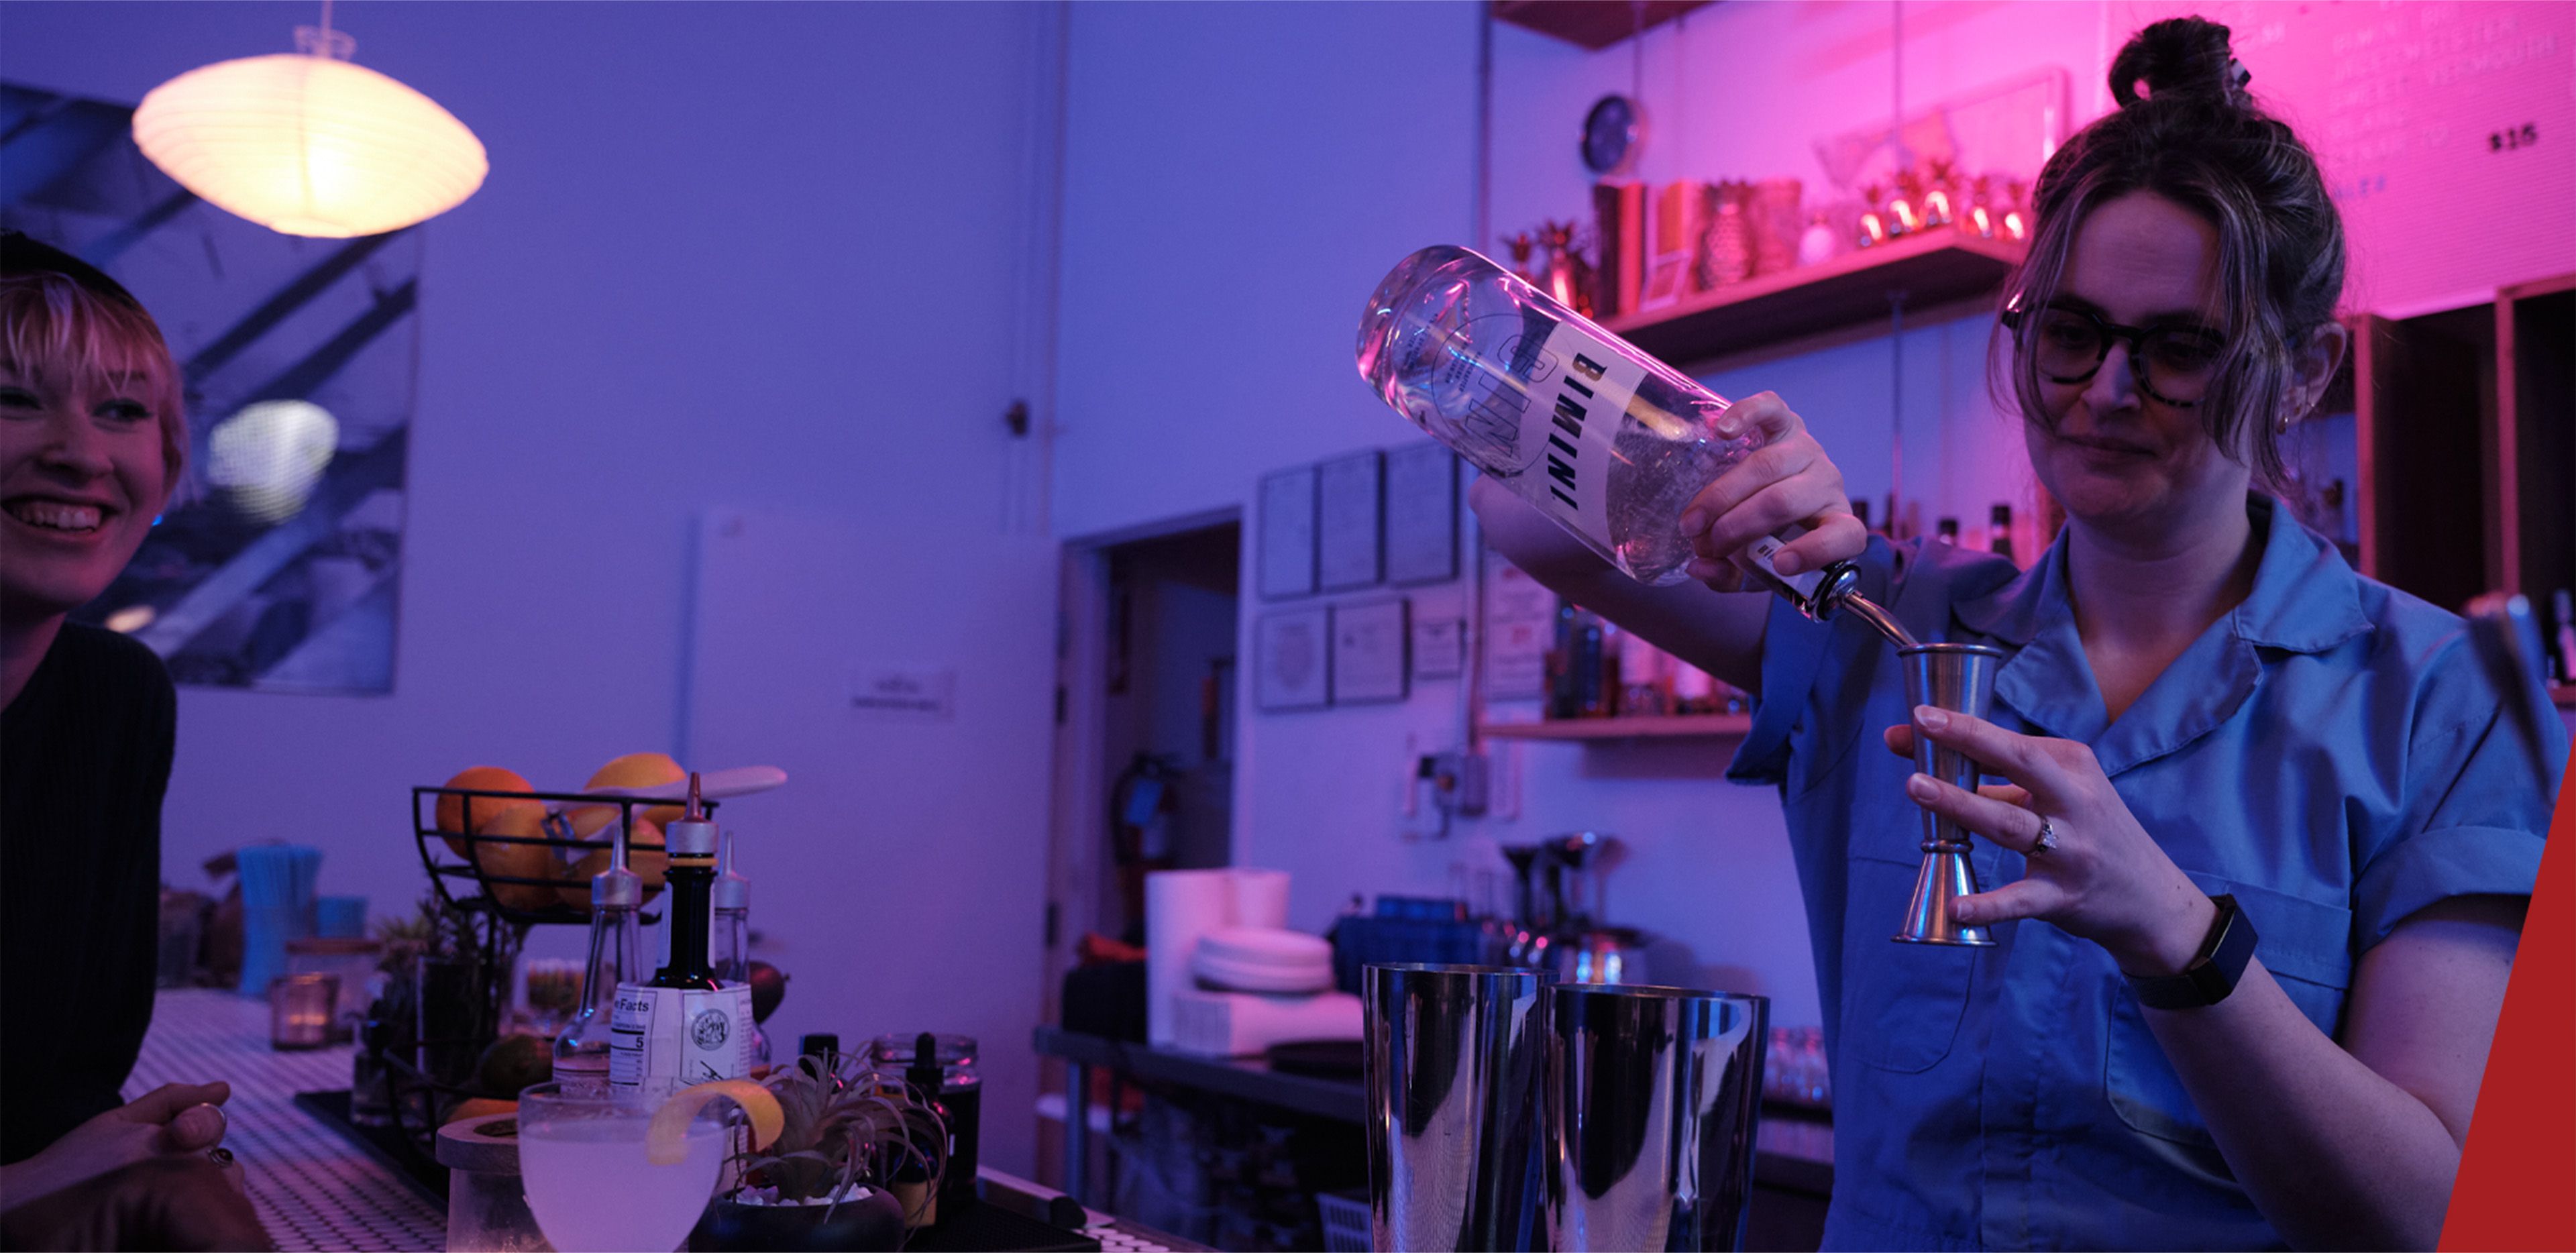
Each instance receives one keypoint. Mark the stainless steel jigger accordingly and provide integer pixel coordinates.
(1959, 678)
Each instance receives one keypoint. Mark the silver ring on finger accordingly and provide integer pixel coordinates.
(2047, 840)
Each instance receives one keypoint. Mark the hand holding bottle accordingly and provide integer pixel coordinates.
(1786, 483)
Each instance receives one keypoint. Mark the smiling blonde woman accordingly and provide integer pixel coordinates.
(92, 442)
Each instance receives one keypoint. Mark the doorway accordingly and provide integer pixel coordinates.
(1167, 716)
(1145, 723)
(1145, 703)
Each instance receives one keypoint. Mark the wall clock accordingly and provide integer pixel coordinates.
(1612, 133)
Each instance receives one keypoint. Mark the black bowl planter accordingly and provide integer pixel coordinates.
(873, 1224)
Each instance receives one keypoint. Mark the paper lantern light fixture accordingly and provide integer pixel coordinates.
(306, 143)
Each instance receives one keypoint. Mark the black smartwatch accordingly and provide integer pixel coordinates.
(2213, 973)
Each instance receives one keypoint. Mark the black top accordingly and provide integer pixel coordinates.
(84, 760)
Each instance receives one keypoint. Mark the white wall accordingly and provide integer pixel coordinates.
(1299, 151)
(729, 255)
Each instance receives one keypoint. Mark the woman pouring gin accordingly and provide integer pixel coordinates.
(2259, 866)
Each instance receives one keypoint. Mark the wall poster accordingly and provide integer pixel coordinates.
(279, 566)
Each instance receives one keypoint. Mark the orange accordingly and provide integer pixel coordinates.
(644, 856)
(642, 770)
(576, 889)
(526, 861)
(644, 845)
(664, 1141)
(451, 809)
(476, 1107)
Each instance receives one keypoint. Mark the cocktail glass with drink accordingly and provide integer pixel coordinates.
(591, 1179)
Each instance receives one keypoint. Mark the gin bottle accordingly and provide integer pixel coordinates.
(1607, 441)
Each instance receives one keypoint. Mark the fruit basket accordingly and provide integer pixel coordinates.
(542, 876)
(499, 862)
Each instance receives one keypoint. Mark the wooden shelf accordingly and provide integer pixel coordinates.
(1687, 726)
(1594, 24)
(1932, 267)
(2463, 445)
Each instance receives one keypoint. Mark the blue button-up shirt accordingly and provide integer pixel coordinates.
(2329, 751)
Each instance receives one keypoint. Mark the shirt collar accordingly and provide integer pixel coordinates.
(2305, 598)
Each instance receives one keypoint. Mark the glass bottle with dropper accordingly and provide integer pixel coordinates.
(616, 956)
(730, 940)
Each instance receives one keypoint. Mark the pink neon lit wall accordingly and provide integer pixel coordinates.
(2447, 131)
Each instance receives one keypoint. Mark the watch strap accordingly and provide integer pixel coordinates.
(2214, 971)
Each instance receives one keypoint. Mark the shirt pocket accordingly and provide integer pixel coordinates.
(2306, 946)
(1902, 1003)
(1817, 753)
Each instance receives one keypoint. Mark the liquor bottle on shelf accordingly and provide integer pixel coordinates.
(1564, 693)
(2001, 528)
(1645, 684)
(683, 1026)
(582, 1050)
(1591, 694)
(1694, 689)
(1607, 441)
(1860, 510)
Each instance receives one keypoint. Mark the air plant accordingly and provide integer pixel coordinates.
(846, 1126)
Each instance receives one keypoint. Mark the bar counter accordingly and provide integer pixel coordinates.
(1792, 1166)
(313, 1188)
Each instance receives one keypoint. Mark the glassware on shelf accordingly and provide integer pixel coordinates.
(1774, 207)
(1873, 229)
(1794, 1069)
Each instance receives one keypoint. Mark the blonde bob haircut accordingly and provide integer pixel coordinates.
(54, 327)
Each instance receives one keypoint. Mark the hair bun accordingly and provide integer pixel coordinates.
(2178, 57)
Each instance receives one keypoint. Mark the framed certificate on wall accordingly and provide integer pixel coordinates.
(1286, 517)
(1421, 515)
(1439, 647)
(1349, 494)
(1292, 659)
(1520, 626)
(1369, 652)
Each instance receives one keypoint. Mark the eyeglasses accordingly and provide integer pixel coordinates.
(2174, 364)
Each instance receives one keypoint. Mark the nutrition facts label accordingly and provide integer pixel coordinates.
(674, 1037)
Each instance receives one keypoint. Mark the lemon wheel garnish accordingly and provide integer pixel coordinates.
(666, 1141)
